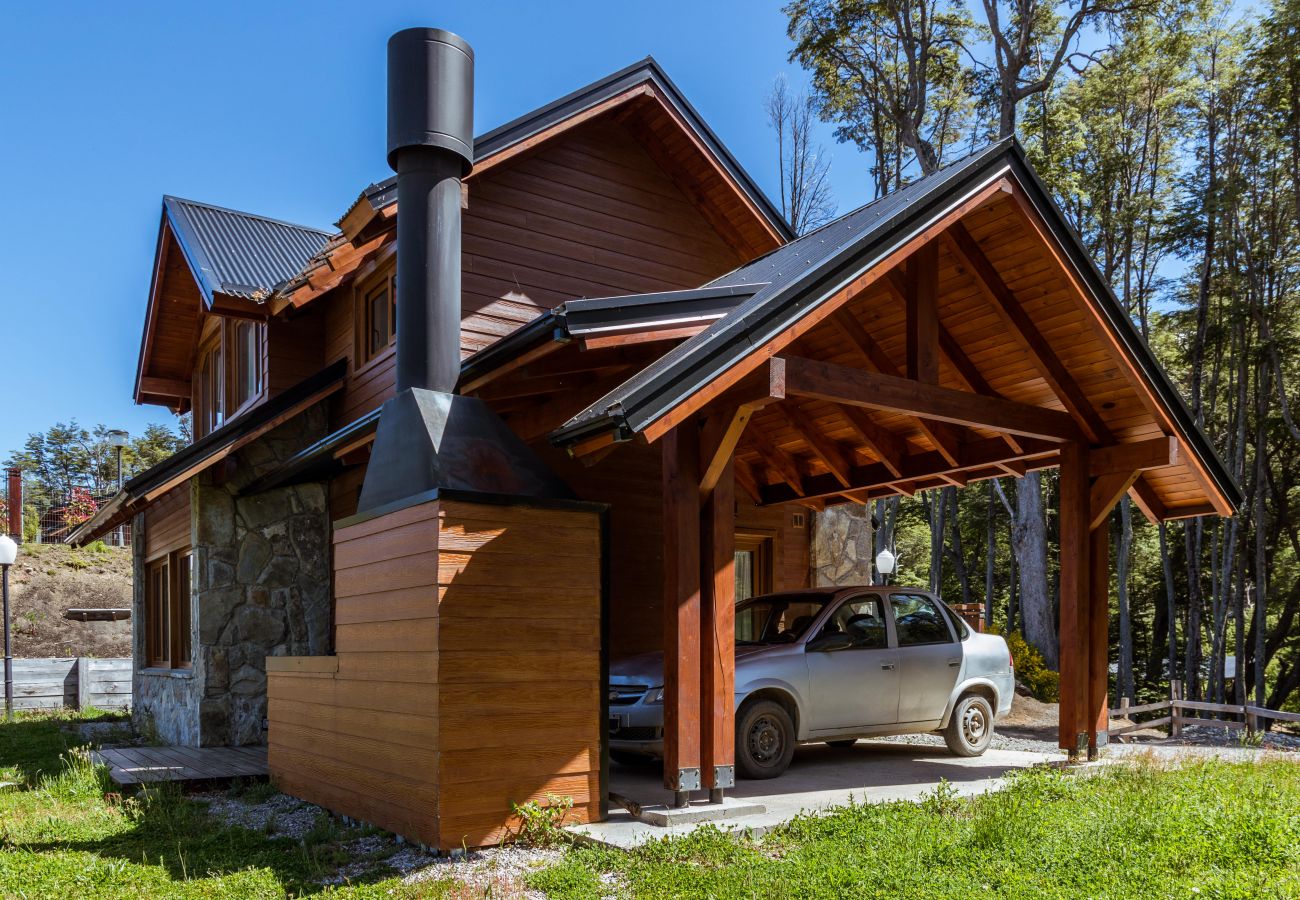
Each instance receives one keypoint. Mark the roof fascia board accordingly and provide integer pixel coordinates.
(192, 249)
(1139, 354)
(151, 310)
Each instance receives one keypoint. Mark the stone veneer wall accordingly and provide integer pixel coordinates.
(841, 546)
(262, 587)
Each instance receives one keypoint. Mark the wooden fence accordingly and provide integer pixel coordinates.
(1196, 712)
(74, 682)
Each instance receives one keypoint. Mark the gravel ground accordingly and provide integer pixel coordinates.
(277, 816)
(1000, 742)
(1204, 736)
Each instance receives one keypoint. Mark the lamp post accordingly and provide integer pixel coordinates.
(117, 439)
(8, 553)
(885, 563)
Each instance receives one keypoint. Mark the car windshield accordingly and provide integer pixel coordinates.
(777, 618)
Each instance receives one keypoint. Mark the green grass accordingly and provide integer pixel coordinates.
(1205, 829)
(67, 832)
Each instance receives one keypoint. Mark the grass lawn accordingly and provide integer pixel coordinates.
(1208, 829)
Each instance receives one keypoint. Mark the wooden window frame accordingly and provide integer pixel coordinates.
(230, 336)
(385, 277)
(211, 392)
(763, 546)
(169, 619)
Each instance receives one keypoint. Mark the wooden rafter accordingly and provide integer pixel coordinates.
(884, 443)
(872, 390)
(1106, 491)
(777, 459)
(822, 447)
(1023, 329)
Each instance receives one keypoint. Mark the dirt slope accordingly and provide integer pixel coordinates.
(48, 579)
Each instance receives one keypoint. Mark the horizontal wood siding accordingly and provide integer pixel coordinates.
(519, 694)
(358, 732)
(167, 522)
(466, 679)
(57, 683)
(587, 215)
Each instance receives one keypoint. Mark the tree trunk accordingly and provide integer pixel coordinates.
(1125, 680)
(1030, 544)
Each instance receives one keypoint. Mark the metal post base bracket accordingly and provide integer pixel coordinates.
(724, 776)
(683, 780)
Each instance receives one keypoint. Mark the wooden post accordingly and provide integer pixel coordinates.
(1097, 714)
(718, 631)
(923, 314)
(83, 682)
(1175, 695)
(681, 499)
(14, 498)
(1075, 627)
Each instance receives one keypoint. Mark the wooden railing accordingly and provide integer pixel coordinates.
(1250, 717)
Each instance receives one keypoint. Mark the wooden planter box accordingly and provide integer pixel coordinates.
(467, 675)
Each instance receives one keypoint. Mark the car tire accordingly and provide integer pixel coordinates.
(765, 739)
(846, 742)
(627, 758)
(970, 729)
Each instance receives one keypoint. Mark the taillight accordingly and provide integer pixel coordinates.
(1011, 658)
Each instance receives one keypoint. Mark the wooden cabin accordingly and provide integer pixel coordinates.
(654, 376)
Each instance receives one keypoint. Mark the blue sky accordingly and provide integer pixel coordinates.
(276, 108)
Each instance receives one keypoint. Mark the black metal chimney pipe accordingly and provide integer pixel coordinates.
(431, 148)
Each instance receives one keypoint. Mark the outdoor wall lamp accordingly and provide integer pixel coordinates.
(8, 553)
(885, 562)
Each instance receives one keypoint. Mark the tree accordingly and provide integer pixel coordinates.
(803, 166)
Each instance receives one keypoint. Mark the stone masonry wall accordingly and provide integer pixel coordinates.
(263, 565)
(841, 546)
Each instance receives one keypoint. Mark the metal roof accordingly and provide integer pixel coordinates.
(648, 70)
(237, 253)
(807, 272)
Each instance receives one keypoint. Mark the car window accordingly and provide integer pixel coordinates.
(777, 619)
(918, 621)
(862, 619)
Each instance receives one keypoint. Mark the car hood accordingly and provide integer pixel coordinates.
(648, 668)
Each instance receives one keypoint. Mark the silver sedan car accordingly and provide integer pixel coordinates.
(833, 665)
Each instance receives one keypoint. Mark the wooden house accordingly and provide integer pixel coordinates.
(411, 551)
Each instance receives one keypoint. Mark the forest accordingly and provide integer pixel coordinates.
(1169, 132)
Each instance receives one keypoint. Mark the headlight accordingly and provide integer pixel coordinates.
(655, 695)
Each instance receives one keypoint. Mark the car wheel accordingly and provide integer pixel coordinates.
(970, 730)
(627, 758)
(764, 740)
(846, 742)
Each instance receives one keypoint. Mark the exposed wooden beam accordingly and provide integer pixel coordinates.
(681, 610)
(922, 301)
(1075, 592)
(1014, 467)
(718, 633)
(648, 336)
(1145, 497)
(164, 387)
(1023, 329)
(855, 387)
(1139, 456)
(880, 440)
(746, 478)
(976, 455)
(822, 446)
(719, 435)
(778, 459)
(518, 362)
(1106, 491)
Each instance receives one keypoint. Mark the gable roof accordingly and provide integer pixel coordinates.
(807, 273)
(239, 254)
(645, 72)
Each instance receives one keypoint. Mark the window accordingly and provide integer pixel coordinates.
(209, 411)
(169, 592)
(918, 620)
(777, 618)
(246, 379)
(378, 316)
(753, 565)
(862, 619)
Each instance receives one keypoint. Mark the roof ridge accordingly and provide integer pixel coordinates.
(248, 215)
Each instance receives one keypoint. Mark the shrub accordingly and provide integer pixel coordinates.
(1032, 670)
(541, 824)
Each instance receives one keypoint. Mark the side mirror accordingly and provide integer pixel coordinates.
(828, 643)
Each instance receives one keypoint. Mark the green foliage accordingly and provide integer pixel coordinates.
(1031, 669)
(1207, 829)
(541, 823)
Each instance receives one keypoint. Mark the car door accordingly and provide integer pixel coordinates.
(852, 670)
(929, 657)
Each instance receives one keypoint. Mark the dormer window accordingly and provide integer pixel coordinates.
(209, 399)
(246, 363)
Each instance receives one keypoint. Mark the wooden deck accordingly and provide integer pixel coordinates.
(138, 765)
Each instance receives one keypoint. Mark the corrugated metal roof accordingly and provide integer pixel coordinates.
(237, 253)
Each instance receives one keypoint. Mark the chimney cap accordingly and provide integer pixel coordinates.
(431, 93)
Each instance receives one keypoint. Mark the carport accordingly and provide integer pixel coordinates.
(951, 332)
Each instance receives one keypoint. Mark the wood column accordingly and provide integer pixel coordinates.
(14, 498)
(718, 636)
(681, 499)
(922, 296)
(1097, 711)
(1076, 597)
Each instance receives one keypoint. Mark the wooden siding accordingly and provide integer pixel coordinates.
(466, 677)
(167, 522)
(589, 214)
(72, 683)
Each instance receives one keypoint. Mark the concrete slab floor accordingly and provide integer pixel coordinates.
(819, 777)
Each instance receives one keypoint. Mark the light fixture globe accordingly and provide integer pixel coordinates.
(8, 550)
(885, 562)
(116, 437)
